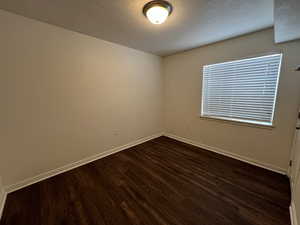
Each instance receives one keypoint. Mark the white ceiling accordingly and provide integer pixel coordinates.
(193, 22)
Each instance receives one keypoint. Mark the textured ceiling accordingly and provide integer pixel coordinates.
(287, 20)
(193, 22)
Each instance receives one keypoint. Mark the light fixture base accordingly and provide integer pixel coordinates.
(161, 3)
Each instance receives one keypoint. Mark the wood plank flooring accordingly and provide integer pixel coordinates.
(162, 181)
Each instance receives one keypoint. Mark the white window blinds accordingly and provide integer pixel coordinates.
(242, 90)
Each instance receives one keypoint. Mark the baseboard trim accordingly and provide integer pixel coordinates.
(54, 172)
(2, 203)
(229, 154)
(293, 214)
(51, 173)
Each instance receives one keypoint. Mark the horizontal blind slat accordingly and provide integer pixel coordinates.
(241, 74)
(241, 109)
(248, 117)
(243, 115)
(252, 119)
(245, 106)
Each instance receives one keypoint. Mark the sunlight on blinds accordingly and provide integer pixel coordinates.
(242, 90)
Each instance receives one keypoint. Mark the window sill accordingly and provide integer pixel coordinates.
(236, 122)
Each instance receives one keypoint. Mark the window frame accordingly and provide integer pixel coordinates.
(245, 121)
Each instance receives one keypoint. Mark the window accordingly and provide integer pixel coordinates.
(242, 90)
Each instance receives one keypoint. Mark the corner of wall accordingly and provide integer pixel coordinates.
(293, 214)
(163, 94)
(2, 198)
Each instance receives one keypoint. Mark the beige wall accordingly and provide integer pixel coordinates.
(296, 199)
(182, 80)
(1, 197)
(66, 96)
(1, 193)
(295, 176)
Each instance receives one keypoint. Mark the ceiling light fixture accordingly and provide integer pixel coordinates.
(157, 11)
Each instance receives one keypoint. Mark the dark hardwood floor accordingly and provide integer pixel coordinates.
(162, 181)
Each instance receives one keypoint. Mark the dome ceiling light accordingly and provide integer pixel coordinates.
(157, 11)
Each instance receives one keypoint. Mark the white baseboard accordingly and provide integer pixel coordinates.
(229, 154)
(2, 202)
(293, 214)
(51, 173)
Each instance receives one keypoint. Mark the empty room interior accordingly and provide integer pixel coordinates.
(140, 112)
